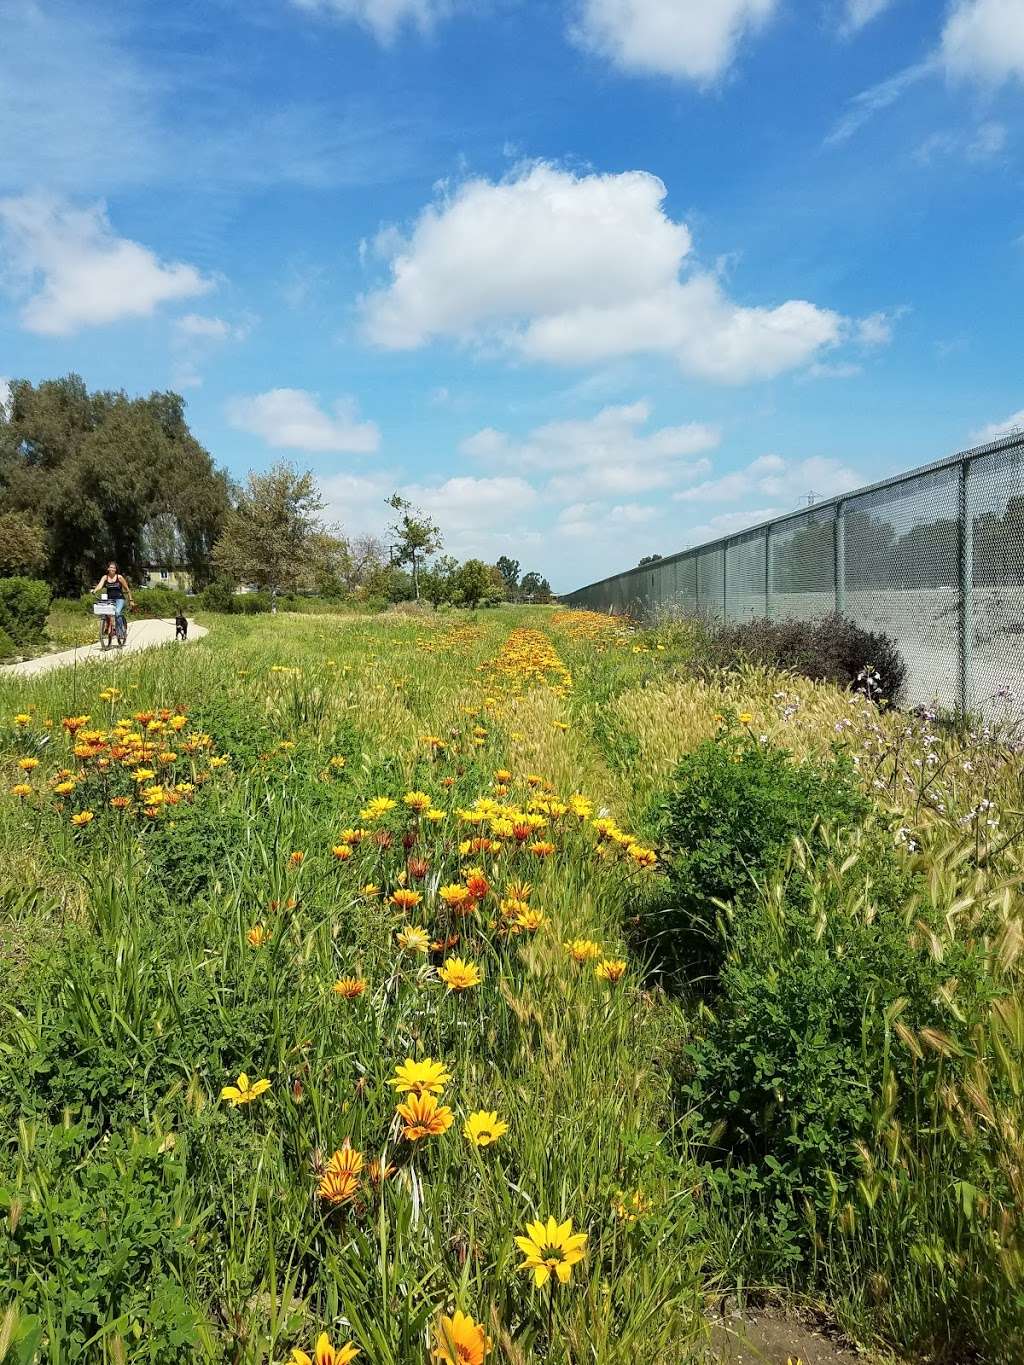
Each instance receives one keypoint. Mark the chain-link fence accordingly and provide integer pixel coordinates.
(933, 558)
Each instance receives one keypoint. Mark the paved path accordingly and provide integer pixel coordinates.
(141, 635)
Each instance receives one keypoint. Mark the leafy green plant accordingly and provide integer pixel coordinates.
(24, 603)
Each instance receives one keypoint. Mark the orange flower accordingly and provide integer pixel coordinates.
(542, 849)
(257, 936)
(460, 1341)
(340, 1180)
(477, 884)
(349, 987)
(611, 970)
(405, 899)
(423, 1117)
(342, 852)
(296, 858)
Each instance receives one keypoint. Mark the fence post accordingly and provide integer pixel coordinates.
(966, 576)
(839, 546)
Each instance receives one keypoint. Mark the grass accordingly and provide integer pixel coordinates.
(148, 959)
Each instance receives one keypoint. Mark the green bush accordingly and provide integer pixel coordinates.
(8, 649)
(158, 602)
(732, 811)
(24, 606)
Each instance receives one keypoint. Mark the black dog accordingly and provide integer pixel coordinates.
(180, 626)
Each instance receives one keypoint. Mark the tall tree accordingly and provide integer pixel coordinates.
(416, 537)
(535, 588)
(509, 570)
(273, 536)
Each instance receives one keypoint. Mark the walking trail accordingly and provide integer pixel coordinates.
(141, 635)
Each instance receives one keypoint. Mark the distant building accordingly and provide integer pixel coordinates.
(177, 579)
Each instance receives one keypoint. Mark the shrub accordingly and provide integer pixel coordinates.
(8, 649)
(833, 649)
(24, 604)
(733, 809)
(218, 596)
(157, 602)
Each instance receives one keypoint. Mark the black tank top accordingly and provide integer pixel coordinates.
(114, 590)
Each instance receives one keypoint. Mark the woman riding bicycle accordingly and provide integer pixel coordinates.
(116, 588)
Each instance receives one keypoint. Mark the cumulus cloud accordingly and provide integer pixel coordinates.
(580, 269)
(382, 17)
(610, 453)
(692, 39)
(774, 477)
(984, 40)
(78, 272)
(587, 520)
(1010, 425)
(292, 419)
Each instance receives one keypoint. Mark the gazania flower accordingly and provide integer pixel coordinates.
(324, 1353)
(417, 801)
(583, 949)
(338, 761)
(340, 1180)
(242, 1092)
(551, 1249)
(477, 884)
(423, 1117)
(502, 775)
(21, 789)
(82, 818)
(530, 920)
(413, 939)
(611, 969)
(581, 806)
(460, 1341)
(459, 975)
(484, 1127)
(542, 848)
(745, 718)
(377, 1172)
(349, 987)
(342, 852)
(144, 774)
(257, 936)
(65, 788)
(377, 808)
(27, 764)
(405, 898)
(220, 761)
(630, 1207)
(454, 895)
(168, 757)
(425, 1077)
(296, 858)
(22, 719)
(370, 891)
(643, 857)
(418, 868)
(119, 802)
(519, 891)
(434, 815)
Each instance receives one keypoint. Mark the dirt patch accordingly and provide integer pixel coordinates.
(783, 1338)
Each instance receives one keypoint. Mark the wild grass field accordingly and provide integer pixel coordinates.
(498, 986)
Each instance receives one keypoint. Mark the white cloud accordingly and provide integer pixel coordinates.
(859, 13)
(609, 453)
(774, 477)
(587, 520)
(844, 369)
(292, 419)
(864, 106)
(82, 274)
(195, 337)
(982, 144)
(876, 329)
(693, 39)
(382, 17)
(580, 269)
(1013, 423)
(728, 524)
(984, 40)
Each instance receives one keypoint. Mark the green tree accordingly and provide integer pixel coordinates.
(535, 588)
(273, 536)
(474, 582)
(509, 570)
(22, 545)
(438, 582)
(416, 537)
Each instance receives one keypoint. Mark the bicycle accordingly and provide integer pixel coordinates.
(113, 625)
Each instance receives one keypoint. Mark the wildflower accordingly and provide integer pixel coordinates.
(460, 1341)
(610, 970)
(22, 719)
(21, 789)
(296, 858)
(377, 808)
(340, 1180)
(152, 796)
(413, 939)
(630, 1207)
(477, 884)
(349, 987)
(425, 1077)
(324, 1353)
(644, 857)
(27, 764)
(338, 761)
(551, 1248)
(218, 761)
(484, 1127)
(434, 815)
(405, 898)
(242, 1092)
(144, 774)
(583, 949)
(745, 718)
(168, 756)
(423, 1117)
(519, 890)
(370, 891)
(459, 975)
(417, 801)
(257, 936)
(454, 895)
(118, 802)
(542, 849)
(353, 836)
(418, 868)
(342, 852)
(530, 920)
(82, 818)
(377, 1172)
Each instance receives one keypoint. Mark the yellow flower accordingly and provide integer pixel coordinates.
(460, 1341)
(324, 1353)
(484, 1127)
(22, 718)
(630, 1207)
(454, 895)
(152, 796)
(414, 939)
(167, 756)
(143, 774)
(425, 1077)
(583, 949)
(27, 764)
(338, 761)
(745, 718)
(218, 761)
(423, 1117)
(378, 807)
(370, 891)
(459, 975)
(530, 920)
(82, 818)
(418, 801)
(118, 802)
(551, 1248)
(23, 789)
(581, 806)
(257, 936)
(340, 1180)
(349, 987)
(342, 852)
(611, 969)
(296, 858)
(542, 848)
(242, 1092)
(352, 836)
(406, 899)
(434, 815)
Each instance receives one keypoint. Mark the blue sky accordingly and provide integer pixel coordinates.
(587, 279)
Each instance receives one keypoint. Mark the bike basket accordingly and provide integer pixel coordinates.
(103, 609)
